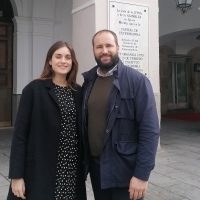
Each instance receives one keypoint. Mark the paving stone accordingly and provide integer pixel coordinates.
(88, 183)
(3, 158)
(188, 160)
(166, 148)
(6, 177)
(6, 137)
(196, 139)
(186, 147)
(184, 199)
(4, 143)
(88, 188)
(176, 174)
(179, 166)
(168, 158)
(4, 169)
(90, 195)
(3, 192)
(169, 137)
(185, 190)
(155, 192)
(164, 160)
(165, 170)
(3, 181)
(184, 152)
(186, 178)
(161, 180)
(174, 141)
(5, 151)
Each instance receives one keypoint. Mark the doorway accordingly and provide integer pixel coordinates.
(6, 35)
(177, 84)
(6, 62)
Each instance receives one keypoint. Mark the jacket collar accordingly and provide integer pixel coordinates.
(49, 83)
(120, 67)
(92, 74)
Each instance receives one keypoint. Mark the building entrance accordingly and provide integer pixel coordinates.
(177, 84)
(6, 35)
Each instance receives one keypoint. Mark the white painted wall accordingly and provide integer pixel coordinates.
(171, 20)
(187, 42)
(36, 27)
(52, 21)
(96, 17)
(63, 15)
(22, 53)
(84, 22)
(92, 16)
(41, 38)
(184, 43)
(43, 9)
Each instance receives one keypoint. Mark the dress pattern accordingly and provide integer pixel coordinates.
(66, 176)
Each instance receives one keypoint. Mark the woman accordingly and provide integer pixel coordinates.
(46, 151)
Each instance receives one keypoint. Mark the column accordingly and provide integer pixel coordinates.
(92, 16)
(42, 39)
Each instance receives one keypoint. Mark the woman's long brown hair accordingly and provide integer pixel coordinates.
(48, 72)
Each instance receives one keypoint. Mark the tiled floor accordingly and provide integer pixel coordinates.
(177, 172)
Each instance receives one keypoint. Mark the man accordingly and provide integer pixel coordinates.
(120, 124)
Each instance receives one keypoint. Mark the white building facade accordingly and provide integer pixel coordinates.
(38, 24)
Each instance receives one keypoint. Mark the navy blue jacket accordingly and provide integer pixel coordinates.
(132, 130)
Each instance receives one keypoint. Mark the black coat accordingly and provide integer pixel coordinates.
(35, 144)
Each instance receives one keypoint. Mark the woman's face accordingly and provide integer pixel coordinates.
(61, 61)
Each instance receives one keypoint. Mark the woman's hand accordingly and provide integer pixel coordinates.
(18, 187)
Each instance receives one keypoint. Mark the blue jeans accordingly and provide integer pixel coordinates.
(105, 194)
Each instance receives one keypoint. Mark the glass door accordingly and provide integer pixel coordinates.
(177, 84)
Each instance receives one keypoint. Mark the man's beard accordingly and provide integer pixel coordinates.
(106, 67)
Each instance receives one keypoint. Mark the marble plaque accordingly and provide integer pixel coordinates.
(131, 24)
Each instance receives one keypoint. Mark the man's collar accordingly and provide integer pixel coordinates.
(92, 73)
(110, 73)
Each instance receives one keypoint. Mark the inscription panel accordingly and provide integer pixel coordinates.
(131, 24)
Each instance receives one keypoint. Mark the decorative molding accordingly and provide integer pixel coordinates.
(43, 21)
(22, 25)
(43, 34)
(83, 6)
(21, 20)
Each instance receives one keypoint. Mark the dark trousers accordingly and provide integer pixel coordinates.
(106, 194)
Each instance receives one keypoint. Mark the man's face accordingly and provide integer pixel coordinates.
(105, 51)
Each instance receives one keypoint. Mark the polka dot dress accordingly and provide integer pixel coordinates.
(66, 176)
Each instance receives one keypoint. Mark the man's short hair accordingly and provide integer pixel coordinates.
(107, 31)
